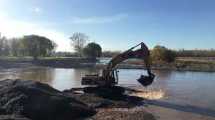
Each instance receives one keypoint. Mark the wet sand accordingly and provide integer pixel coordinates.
(145, 113)
(163, 113)
(164, 108)
(138, 113)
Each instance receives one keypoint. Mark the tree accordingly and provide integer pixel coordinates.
(36, 46)
(92, 50)
(170, 55)
(15, 47)
(162, 54)
(78, 42)
(4, 46)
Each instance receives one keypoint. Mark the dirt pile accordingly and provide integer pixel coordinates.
(39, 101)
(112, 103)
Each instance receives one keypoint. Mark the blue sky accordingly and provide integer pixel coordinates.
(115, 24)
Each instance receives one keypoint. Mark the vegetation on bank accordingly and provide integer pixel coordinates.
(31, 47)
(39, 46)
(92, 50)
(196, 53)
(162, 54)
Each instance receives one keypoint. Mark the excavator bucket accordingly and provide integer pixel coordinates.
(146, 80)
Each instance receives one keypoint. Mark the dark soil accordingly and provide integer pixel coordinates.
(112, 104)
(39, 101)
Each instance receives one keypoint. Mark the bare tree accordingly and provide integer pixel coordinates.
(78, 41)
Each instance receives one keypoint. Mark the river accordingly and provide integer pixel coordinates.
(188, 88)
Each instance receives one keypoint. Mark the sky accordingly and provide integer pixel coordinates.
(114, 24)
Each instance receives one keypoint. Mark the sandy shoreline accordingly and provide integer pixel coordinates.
(162, 113)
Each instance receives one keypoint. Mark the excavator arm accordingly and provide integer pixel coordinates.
(109, 75)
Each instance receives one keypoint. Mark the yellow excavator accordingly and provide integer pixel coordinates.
(109, 76)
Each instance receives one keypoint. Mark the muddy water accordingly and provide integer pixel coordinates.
(188, 88)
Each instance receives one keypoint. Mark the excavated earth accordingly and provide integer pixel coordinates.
(37, 101)
(112, 104)
(29, 100)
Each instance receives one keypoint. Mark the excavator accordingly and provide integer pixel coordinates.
(109, 76)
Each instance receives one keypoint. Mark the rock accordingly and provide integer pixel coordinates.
(39, 101)
(13, 117)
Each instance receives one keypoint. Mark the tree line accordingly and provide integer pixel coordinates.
(196, 53)
(39, 46)
(29, 45)
(162, 54)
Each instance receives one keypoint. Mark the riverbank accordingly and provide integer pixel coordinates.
(29, 100)
(176, 113)
(185, 64)
(47, 62)
(180, 64)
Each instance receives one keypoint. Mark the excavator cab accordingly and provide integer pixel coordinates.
(96, 79)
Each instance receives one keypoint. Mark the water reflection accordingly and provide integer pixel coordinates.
(60, 79)
(64, 79)
(44, 75)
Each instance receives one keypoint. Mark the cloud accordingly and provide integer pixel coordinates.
(98, 20)
(37, 10)
(14, 28)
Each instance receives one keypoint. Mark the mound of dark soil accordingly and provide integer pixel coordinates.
(112, 103)
(106, 97)
(39, 101)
